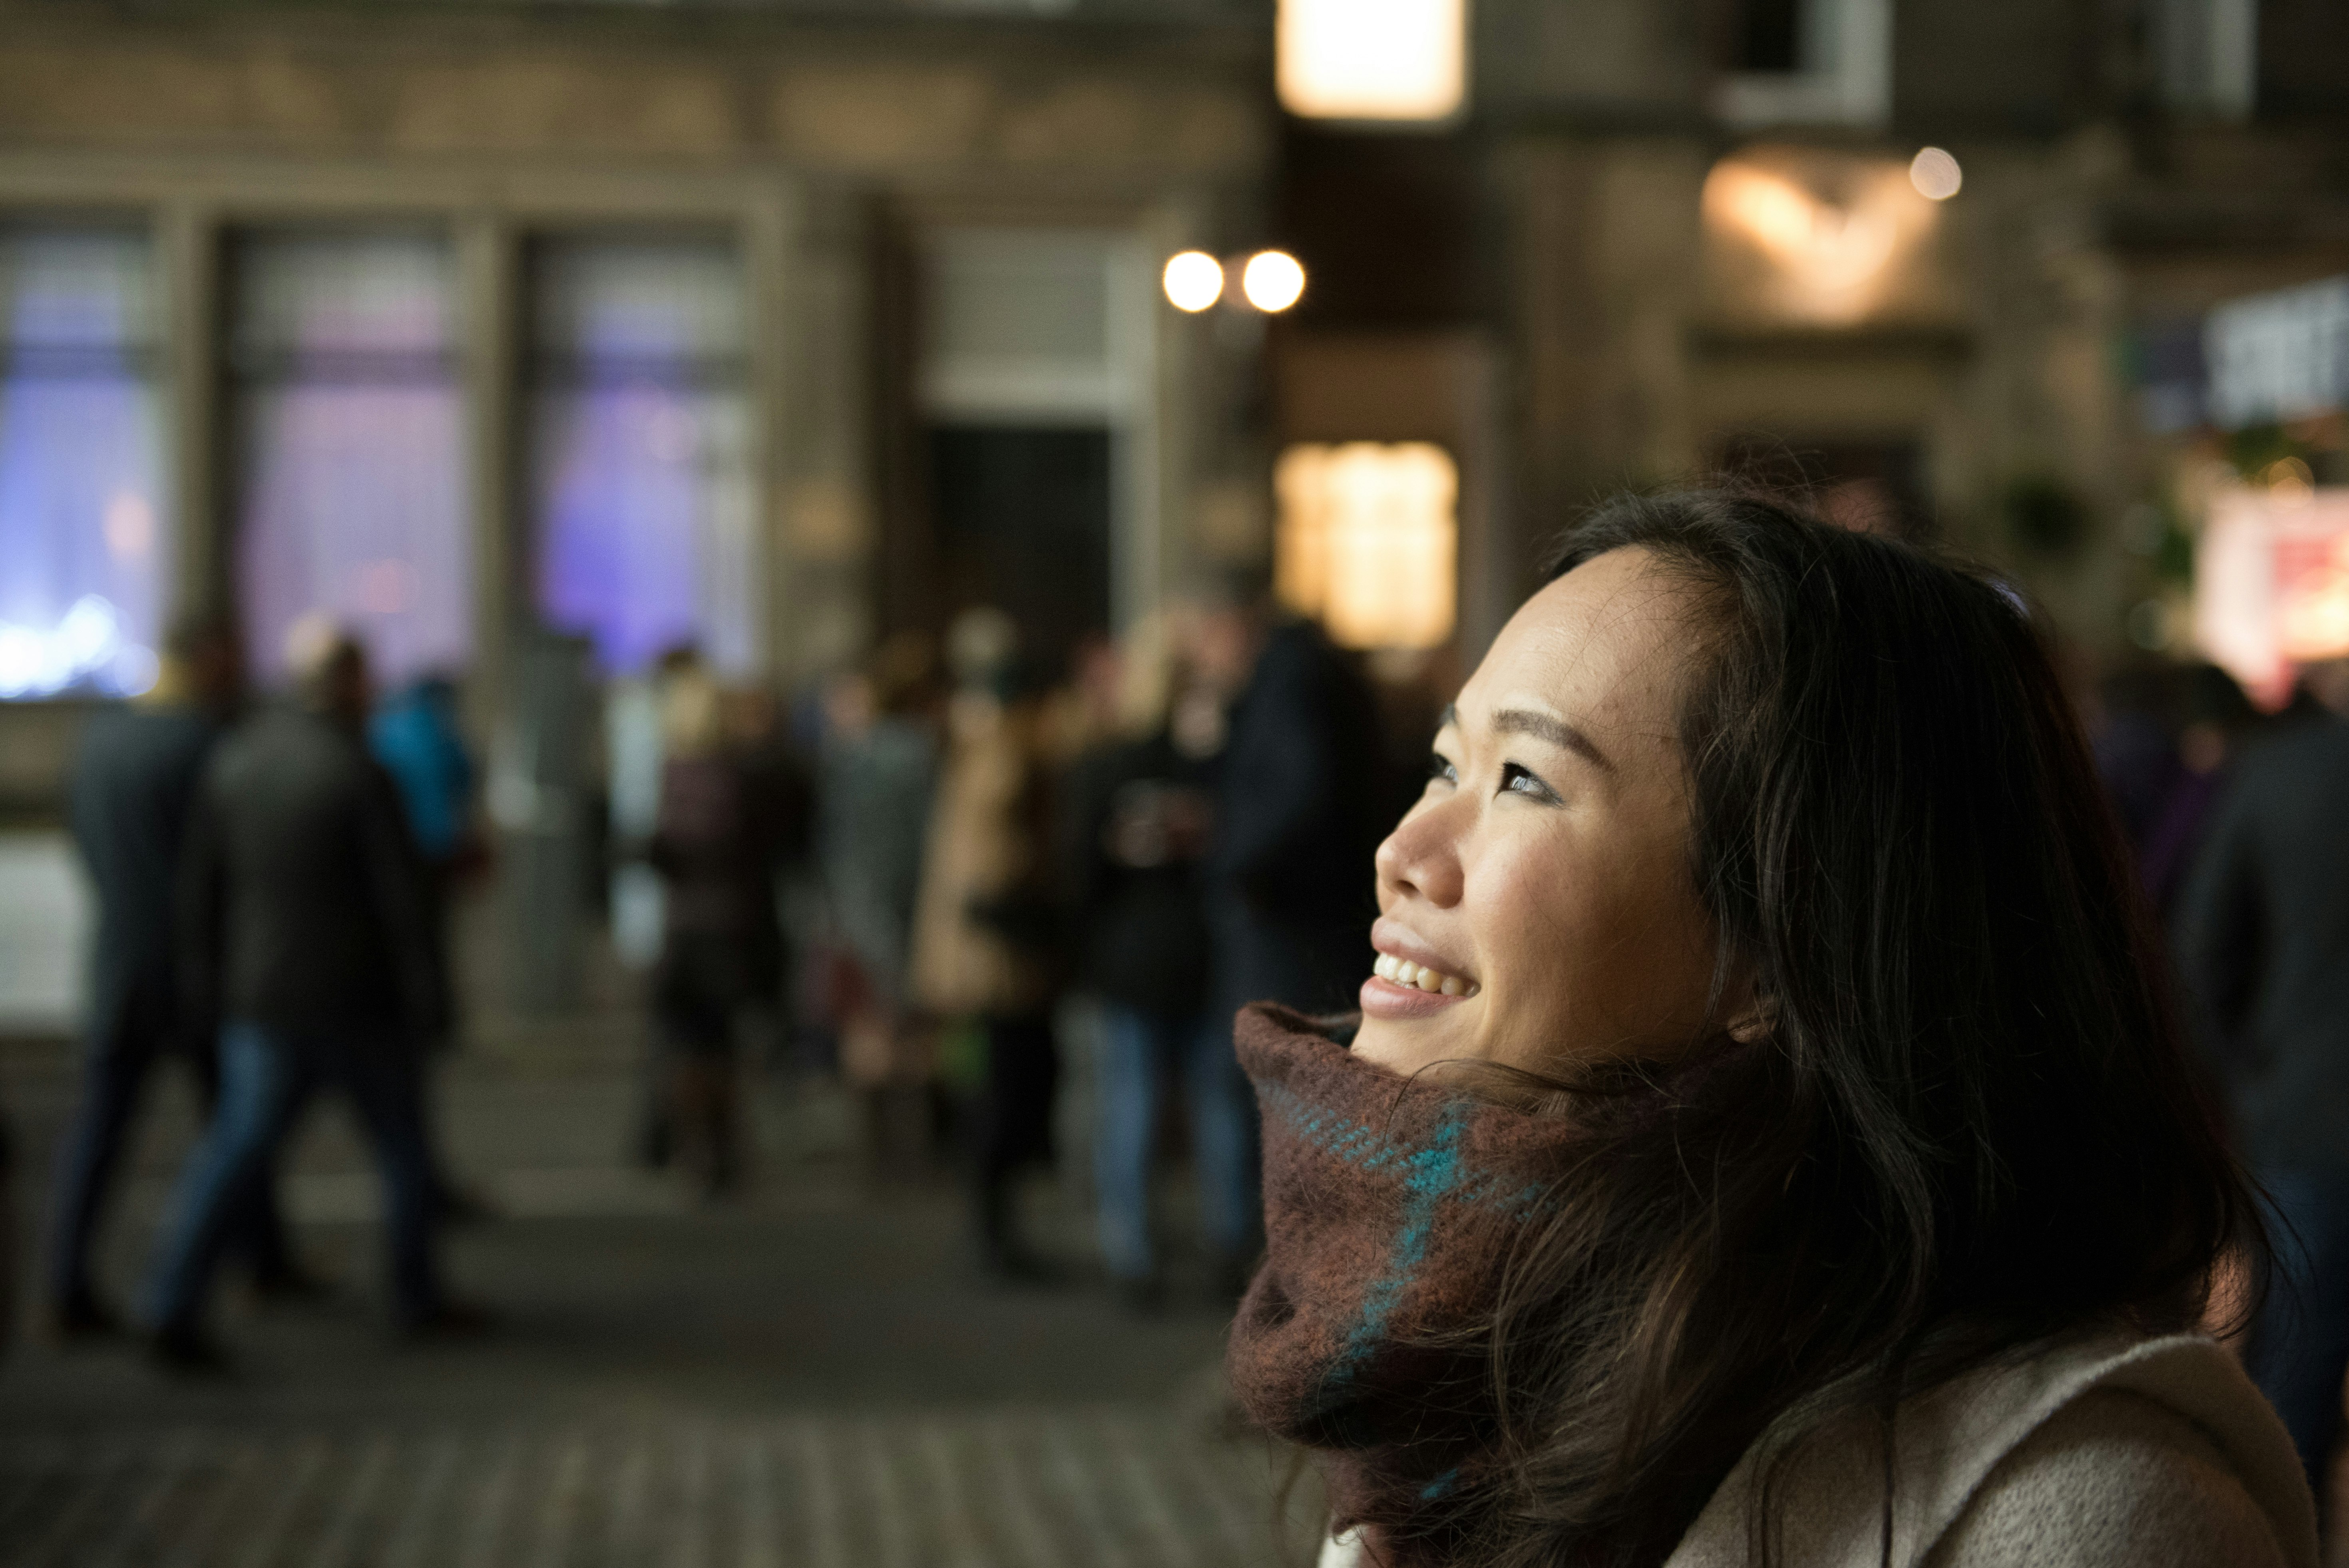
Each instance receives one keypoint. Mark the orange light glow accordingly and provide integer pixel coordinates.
(1371, 59)
(1368, 540)
(1826, 258)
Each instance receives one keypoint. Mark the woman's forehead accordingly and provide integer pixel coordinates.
(1608, 640)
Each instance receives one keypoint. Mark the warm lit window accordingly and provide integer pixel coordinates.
(1369, 540)
(1372, 59)
(640, 469)
(348, 412)
(83, 533)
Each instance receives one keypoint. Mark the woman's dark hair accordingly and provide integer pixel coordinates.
(1971, 1128)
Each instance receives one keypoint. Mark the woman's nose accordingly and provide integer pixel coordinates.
(1421, 857)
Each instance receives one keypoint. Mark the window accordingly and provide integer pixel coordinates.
(348, 415)
(83, 533)
(1809, 62)
(641, 476)
(1369, 540)
(2207, 54)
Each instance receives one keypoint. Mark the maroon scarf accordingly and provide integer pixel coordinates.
(1391, 1207)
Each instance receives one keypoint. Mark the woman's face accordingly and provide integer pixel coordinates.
(1544, 875)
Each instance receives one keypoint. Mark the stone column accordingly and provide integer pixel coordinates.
(187, 264)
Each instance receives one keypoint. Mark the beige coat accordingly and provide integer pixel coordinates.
(987, 843)
(2107, 1453)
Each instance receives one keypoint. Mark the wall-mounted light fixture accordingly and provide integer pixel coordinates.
(1194, 279)
(1368, 540)
(1397, 61)
(1273, 280)
(1270, 281)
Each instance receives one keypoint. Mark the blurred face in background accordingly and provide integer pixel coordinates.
(1537, 904)
(1219, 643)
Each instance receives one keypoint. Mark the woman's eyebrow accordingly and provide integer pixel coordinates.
(1555, 731)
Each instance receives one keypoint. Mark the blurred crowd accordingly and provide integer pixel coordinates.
(927, 880)
(995, 870)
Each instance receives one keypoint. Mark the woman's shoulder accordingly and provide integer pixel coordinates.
(2114, 1478)
(2097, 1438)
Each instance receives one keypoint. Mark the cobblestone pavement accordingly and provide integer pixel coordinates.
(812, 1376)
(1066, 1489)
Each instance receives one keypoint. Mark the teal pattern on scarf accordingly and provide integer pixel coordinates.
(1369, 1151)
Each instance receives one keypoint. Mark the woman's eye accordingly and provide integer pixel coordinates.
(1518, 779)
(1439, 768)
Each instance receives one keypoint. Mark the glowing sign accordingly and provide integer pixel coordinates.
(2271, 585)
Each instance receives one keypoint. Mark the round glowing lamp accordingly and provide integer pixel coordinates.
(1194, 279)
(1935, 174)
(1273, 280)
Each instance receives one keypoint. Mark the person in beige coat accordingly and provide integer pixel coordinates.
(1764, 1139)
(985, 949)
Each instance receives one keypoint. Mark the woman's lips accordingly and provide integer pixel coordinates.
(1384, 998)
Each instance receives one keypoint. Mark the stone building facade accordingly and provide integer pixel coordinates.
(1667, 237)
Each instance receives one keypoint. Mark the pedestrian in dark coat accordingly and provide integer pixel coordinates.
(715, 844)
(2262, 939)
(1297, 805)
(133, 786)
(304, 928)
(1137, 822)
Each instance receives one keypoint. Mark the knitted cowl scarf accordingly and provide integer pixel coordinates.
(1392, 1206)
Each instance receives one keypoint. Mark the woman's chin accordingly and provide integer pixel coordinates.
(1405, 1030)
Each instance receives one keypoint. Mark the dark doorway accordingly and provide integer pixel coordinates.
(1024, 523)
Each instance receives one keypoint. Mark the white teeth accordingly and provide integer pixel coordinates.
(1404, 972)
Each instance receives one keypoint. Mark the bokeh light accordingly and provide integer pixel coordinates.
(1194, 279)
(1936, 174)
(1274, 281)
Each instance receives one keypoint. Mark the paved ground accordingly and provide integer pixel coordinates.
(813, 1376)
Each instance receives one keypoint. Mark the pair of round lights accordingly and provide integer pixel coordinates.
(1272, 281)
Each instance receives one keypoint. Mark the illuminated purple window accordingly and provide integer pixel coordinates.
(83, 532)
(641, 481)
(348, 420)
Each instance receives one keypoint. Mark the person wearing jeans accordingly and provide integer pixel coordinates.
(266, 1078)
(304, 927)
(1143, 1053)
(1138, 822)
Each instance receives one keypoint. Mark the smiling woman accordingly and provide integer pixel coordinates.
(1764, 1137)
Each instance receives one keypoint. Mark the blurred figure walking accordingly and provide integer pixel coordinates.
(304, 928)
(715, 844)
(416, 736)
(1297, 797)
(132, 791)
(1137, 821)
(878, 769)
(986, 929)
(2262, 938)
